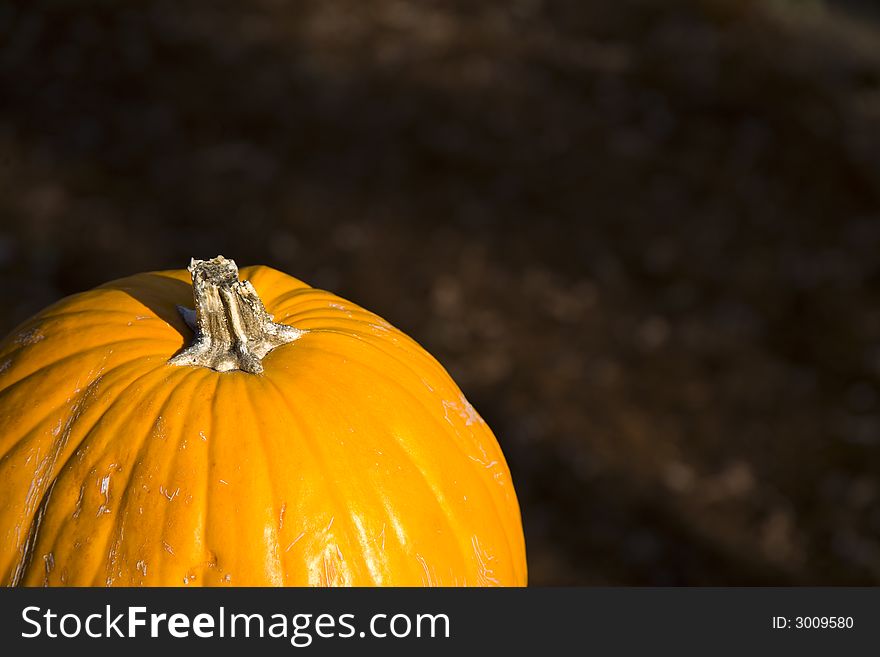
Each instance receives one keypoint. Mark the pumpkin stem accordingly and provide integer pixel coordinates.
(233, 331)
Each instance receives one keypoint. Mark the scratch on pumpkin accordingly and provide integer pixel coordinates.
(430, 578)
(105, 491)
(169, 496)
(484, 559)
(294, 541)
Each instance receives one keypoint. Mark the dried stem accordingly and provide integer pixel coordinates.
(233, 330)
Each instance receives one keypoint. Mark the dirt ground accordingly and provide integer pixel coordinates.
(643, 236)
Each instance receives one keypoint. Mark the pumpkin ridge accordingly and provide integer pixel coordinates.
(76, 354)
(185, 388)
(404, 343)
(438, 499)
(343, 316)
(271, 479)
(273, 302)
(455, 527)
(500, 517)
(34, 427)
(30, 321)
(30, 544)
(143, 444)
(158, 333)
(86, 435)
(302, 296)
(430, 366)
(383, 500)
(353, 311)
(55, 449)
(185, 384)
(153, 328)
(499, 456)
(97, 310)
(206, 517)
(304, 435)
(316, 454)
(430, 486)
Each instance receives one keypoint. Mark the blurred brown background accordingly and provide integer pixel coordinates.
(643, 236)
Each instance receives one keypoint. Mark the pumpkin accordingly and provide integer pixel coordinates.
(275, 434)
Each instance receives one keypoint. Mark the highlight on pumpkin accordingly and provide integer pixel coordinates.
(210, 427)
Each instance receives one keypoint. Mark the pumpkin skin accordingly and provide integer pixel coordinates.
(351, 459)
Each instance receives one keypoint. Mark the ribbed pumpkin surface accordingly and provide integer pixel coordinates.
(353, 459)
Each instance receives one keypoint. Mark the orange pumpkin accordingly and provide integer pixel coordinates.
(325, 449)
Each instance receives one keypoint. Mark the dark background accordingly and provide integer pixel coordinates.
(641, 235)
